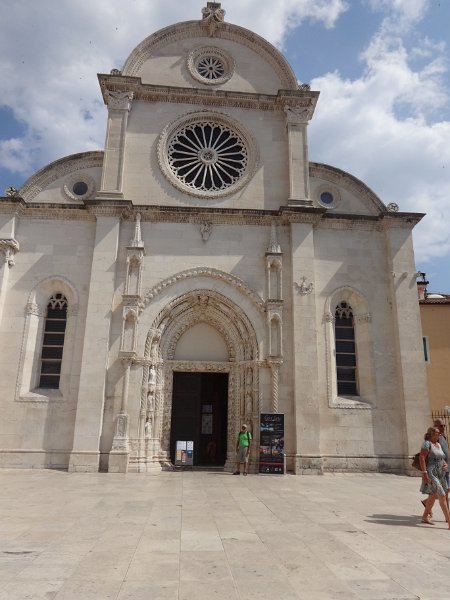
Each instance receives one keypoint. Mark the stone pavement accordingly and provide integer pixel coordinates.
(207, 535)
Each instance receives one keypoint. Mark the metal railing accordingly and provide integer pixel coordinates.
(445, 416)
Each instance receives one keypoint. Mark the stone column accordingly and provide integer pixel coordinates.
(407, 333)
(297, 122)
(119, 105)
(94, 360)
(306, 396)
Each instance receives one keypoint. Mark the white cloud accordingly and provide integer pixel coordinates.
(401, 13)
(385, 128)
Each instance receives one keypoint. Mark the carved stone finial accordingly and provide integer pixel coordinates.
(274, 247)
(392, 207)
(115, 72)
(212, 16)
(305, 87)
(137, 242)
(11, 191)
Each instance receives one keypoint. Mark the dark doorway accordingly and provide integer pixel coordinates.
(199, 413)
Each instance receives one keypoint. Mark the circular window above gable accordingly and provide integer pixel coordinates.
(207, 155)
(79, 187)
(327, 196)
(210, 65)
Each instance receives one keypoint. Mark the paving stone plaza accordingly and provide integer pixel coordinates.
(209, 535)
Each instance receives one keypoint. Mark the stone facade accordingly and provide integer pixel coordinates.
(203, 240)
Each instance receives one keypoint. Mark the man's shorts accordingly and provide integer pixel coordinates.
(241, 455)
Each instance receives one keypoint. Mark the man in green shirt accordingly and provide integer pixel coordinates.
(243, 450)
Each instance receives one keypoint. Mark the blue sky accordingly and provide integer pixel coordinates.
(382, 67)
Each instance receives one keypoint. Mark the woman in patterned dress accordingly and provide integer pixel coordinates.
(433, 466)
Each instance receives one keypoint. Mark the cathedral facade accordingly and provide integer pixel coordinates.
(200, 271)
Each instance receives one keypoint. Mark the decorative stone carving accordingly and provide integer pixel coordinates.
(131, 314)
(9, 247)
(120, 441)
(33, 309)
(115, 72)
(302, 288)
(206, 272)
(275, 371)
(137, 242)
(206, 230)
(119, 100)
(392, 207)
(274, 267)
(274, 247)
(212, 16)
(11, 191)
(296, 115)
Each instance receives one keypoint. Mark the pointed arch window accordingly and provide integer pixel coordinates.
(346, 367)
(53, 342)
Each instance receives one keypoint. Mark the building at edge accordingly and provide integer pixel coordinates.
(199, 271)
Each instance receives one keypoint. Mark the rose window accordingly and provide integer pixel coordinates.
(207, 156)
(211, 67)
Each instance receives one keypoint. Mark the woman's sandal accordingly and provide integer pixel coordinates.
(424, 502)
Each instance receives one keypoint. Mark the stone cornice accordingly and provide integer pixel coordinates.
(298, 99)
(197, 215)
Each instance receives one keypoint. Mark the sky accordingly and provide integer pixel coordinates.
(382, 68)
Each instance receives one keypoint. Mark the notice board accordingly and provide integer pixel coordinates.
(271, 444)
(184, 454)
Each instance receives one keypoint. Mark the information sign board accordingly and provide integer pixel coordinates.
(271, 448)
(184, 454)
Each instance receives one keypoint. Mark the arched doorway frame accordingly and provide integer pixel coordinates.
(188, 309)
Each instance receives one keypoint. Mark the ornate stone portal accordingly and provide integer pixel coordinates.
(151, 448)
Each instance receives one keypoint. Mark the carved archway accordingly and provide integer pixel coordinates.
(189, 309)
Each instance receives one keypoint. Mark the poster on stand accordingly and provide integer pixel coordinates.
(184, 455)
(271, 448)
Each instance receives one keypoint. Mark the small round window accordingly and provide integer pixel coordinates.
(210, 65)
(326, 198)
(79, 187)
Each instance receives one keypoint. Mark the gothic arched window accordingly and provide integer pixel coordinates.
(345, 350)
(53, 342)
